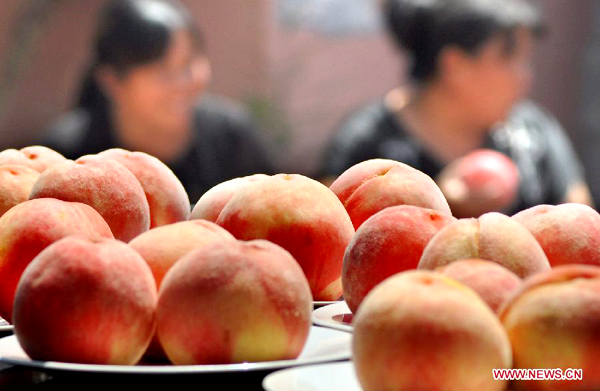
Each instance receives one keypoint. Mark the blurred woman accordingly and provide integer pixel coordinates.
(142, 93)
(470, 72)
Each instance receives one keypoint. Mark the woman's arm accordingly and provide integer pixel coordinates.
(579, 192)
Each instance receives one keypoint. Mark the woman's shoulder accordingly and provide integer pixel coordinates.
(68, 133)
(528, 123)
(214, 112)
(367, 132)
(542, 150)
(226, 128)
(368, 120)
(533, 115)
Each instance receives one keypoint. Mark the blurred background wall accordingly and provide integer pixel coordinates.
(299, 65)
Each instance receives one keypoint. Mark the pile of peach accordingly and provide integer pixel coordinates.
(440, 302)
(102, 261)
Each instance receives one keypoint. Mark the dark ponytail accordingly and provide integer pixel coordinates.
(90, 95)
(411, 24)
(423, 28)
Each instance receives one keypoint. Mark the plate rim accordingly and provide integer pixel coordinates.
(6, 328)
(330, 323)
(178, 369)
(283, 372)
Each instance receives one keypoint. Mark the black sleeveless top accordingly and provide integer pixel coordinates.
(224, 145)
(531, 137)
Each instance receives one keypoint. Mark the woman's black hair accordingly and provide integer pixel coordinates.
(131, 33)
(425, 27)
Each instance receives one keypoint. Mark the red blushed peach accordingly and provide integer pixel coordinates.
(163, 246)
(355, 176)
(420, 330)
(493, 237)
(36, 157)
(302, 216)
(210, 205)
(234, 302)
(16, 183)
(31, 226)
(568, 233)
(104, 184)
(368, 187)
(492, 282)
(481, 181)
(86, 301)
(376, 251)
(554, 322)
(166, 196)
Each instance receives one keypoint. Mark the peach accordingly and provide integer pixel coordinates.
(368, 187)
(16, 183)
(554, 322)
(375, 252)
(568, 233)
(161, 247)
(28, 228)
(481, 181)
(210, 205)
(86, 301)
(36, 157)
(302, 216)
(167, 199)
(104, 184)
(494, 237)
(493, 282)
(420, 330)
(234, 302)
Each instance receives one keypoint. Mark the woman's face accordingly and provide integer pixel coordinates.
(162, 94)
(495, 80)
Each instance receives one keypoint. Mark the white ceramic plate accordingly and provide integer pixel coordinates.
(322, 377)
(5, 327)
(323, 345)
(336, 316)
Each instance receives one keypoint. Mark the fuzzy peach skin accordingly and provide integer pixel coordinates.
(104, 184)
(31, 226)
(210, 205)
(554, 322)
(420, 330)
(482, 181)
(492, 282)
(302, 216)
(167, 198)
(493, 237)
(568, 233)
(389, 242)
(233, 302)
(368, 187)
(16, 183)
(86, 301)
(161, 247)
(36, 157)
